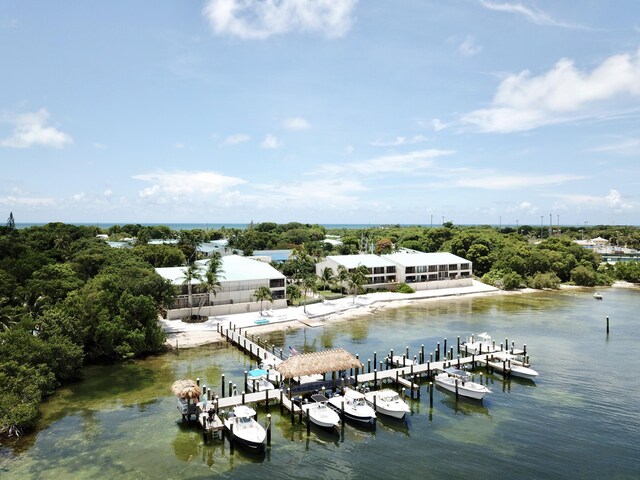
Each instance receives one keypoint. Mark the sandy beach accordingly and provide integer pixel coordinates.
(187, 335)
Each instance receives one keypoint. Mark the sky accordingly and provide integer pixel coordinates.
(502, 112)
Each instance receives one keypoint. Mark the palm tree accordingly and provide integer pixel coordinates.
(190, 274)
(358, 278)
(261, 294)
(8, 315)
(293, 292)
(342, 277)
(327, 277)
(211, 278)
(309, 284)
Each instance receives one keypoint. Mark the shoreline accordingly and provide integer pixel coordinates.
(191, 335)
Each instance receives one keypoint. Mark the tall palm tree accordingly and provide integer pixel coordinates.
(327, 277)
(342, 277)
(261, 294)
(211, 277)
(309, 284)
(192, 273)
(293, 292)
(358, 278)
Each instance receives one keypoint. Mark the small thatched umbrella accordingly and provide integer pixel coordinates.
(318, 362)
(186, 390)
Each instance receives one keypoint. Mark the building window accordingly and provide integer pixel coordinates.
(442, 268)
(410, 270)
(411, 279)
(276, 282)
(421, 269)
(433, 268)
(378, 270)
(277, 294)
(453, 267)
(465, 266)
(433, 277)
(391, 269)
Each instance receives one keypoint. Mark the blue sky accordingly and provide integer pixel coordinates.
(326, 111)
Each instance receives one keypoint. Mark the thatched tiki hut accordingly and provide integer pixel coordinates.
(188, 392)
(318, 363)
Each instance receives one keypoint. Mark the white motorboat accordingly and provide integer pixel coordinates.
(597, 296)
(387, 402)
(355, 406)
(258, 381)
(478, 344)
(453, 380)
(319, 412)
(400, 361)
(246, 431)
(515, 365)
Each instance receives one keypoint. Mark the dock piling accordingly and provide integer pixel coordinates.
(431, 394)
(268, 421)
(607, 325)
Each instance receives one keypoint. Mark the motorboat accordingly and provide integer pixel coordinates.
(597, 296)
(400, 361)
(387, 402)
(460, 382)
(515, 365)
(258, 381)
(478, 344)
(246, 431)
(355, 406)
(320, 413)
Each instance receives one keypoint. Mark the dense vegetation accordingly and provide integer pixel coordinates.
(67, 298)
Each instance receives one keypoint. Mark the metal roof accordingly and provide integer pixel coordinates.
(234, 269)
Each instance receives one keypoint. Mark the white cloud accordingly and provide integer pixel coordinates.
(411, 162)
(9, 23)
(490, 181)
(469, 48)
(296, 123)
(328, 193)
(30, 129)
(79, 197)
(613, 201)
(12, 201)
(400, 141)
(271, 142)
(107, 193)
(532, 14)
(99, 146)
(438, 125)
(260, 19)
(236, 138)
(626, 146)
(180, 184)
(523, 207)
(564, 93)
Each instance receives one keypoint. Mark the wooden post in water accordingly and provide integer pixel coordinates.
(422, 353)
(369, 365)
(281, 356)
(428, 369)
(473, 361)
(458, 344)
(375, 403)
(404, 360)
(198, 381)
(269, 429)
(406, 352)
(504, 368)
(431, 394)
(458, 361)
(243, 397)
(281, 401)
(456, 389)
(342, 410)
(524, 348)
(607, 325)
(418, 392)
(222, 393)
(444, 349)
(300, 413)
(266, 400)
(231, 438)
(308, 423)
(246, 383)
(375, 378)
(431, 357)
(390, 359)
(375, 359)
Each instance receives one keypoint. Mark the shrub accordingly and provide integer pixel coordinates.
(404, 288)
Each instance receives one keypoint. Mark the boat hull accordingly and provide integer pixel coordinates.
(391, 409)
(360, 415)
(465, 389)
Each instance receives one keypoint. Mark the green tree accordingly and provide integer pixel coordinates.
(357, 278)
(342, 277)
(191, 274)
(584, 276)
(11, 223)
(309, 285)
(294, 293)
(211, 277)
(327, 277)
(261, 294)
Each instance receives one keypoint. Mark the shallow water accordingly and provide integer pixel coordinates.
(578, 420)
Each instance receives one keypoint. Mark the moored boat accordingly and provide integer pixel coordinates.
(355, 406)
(319, 412)
(258, 381)
(387, 402)
(246, 431)
(478, 344)
(400, 361)
(597, 296)
(460, 382)
(514, 364)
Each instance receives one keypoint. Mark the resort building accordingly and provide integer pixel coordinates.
(422, 271)
(239, 278)
(381, 270)
(426, 271)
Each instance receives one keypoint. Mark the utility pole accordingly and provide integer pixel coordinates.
(550, 225)
(541, 225)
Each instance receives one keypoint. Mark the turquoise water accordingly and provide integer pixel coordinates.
(579, 420)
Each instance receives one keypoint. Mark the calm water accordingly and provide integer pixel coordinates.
(579, 420)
